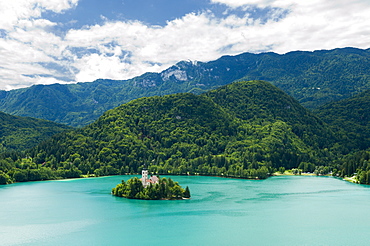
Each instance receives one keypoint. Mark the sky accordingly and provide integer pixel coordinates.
(69, 41)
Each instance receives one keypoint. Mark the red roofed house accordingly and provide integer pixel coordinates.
(145, 180)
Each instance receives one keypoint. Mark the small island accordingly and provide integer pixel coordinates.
(153, 188)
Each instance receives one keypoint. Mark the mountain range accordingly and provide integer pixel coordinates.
(243, 129)
(313, 78)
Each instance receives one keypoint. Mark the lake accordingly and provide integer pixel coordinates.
(282, 210)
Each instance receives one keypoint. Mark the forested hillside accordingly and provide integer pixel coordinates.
(247, 129)
(313, 78)
(350, 118)
(258, 101)
(21, 133)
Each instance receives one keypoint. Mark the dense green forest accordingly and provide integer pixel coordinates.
(313, 78)
(356, 163)
(246, 129)
(350, 118)
(21, 133)
(164, 189)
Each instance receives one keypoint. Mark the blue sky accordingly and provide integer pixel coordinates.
(68, 41)
(150, 12)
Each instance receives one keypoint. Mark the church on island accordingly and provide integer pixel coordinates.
(145, 180)
(136, 188)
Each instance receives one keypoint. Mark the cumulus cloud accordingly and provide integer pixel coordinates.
(124, 49)
(26, 42)
(194, 37)
(13, 11)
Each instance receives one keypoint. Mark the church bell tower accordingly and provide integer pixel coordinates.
(144, 176)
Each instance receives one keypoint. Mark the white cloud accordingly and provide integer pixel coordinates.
(13, 11)
(121, 50)
(195, 37)
(27, 42)
(264, 3)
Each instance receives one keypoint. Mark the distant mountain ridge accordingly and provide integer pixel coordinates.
(313, 78)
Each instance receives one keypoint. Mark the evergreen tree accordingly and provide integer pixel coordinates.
(187, 192)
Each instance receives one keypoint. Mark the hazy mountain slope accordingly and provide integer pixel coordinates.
(318, 77)
(313, 78)
(20, 133)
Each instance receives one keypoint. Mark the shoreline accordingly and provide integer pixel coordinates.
(286, 173)
(351, 179)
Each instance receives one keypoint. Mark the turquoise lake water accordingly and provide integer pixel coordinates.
(284, 210)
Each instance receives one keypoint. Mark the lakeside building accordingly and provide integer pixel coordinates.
(145, 178)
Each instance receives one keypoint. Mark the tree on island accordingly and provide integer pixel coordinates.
(187, 192)
(164, 189)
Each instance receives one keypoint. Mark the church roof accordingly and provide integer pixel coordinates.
(154, 178)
